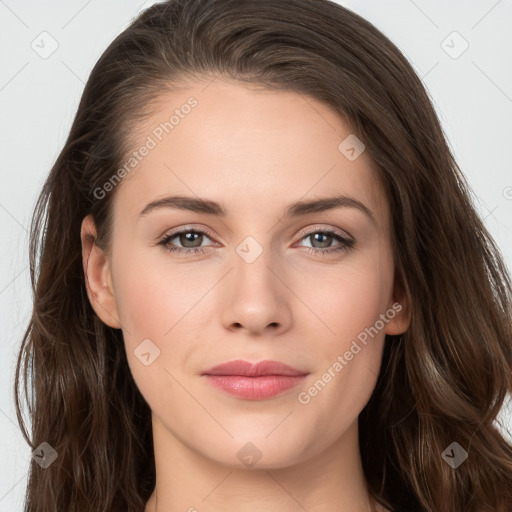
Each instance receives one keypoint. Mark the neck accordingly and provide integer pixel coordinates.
(332, 480)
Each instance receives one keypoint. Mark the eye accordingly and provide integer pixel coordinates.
(191, 241)
(324, 239)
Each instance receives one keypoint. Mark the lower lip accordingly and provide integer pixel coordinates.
(255, 388)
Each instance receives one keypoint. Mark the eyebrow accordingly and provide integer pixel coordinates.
(199, 205)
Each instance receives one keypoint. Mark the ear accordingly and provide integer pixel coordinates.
(98, 277)
(400, 304)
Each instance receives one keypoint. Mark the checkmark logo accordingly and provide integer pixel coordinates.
(146, 352)
(44, 455)
(249, 249)
(45, 45)
(454, 455)
(351, 147)
(249, 454)
(454, 45)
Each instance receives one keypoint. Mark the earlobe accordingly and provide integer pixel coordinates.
(400, 305)
(401, 321)
(97, 274)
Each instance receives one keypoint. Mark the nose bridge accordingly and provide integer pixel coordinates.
(254, 261)
(255, 296)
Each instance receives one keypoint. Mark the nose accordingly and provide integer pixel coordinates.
(256, 298)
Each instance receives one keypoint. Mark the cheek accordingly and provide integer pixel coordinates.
(347, 366)
(349, 351)
(152, 297)
(162, 302)
(348, 299)
(149, 304)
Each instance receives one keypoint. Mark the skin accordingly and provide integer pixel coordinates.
(254, 151)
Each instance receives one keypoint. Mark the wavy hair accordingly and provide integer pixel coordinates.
(442, 381)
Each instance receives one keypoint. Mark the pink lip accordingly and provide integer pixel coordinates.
(254, 381)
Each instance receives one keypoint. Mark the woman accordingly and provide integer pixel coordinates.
(347, 347)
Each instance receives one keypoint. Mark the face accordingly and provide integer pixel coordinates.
(312, 288)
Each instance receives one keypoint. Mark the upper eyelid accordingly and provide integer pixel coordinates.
(338, 231)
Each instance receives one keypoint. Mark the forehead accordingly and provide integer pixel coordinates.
(252, 145)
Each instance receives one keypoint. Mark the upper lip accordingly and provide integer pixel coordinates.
(248, 369)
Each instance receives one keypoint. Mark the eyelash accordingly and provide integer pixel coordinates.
(345, 243)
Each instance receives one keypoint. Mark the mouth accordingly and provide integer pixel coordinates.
(254, 381)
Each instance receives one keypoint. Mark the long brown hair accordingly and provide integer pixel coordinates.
(441, 382)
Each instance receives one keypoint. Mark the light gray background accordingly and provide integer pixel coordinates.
(39, 96)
